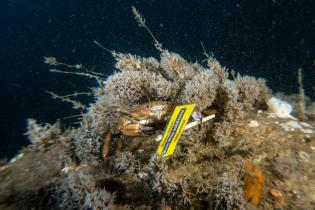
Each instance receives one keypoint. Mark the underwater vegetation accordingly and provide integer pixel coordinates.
(254, 154)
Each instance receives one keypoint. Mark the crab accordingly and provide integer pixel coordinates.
(136, 121)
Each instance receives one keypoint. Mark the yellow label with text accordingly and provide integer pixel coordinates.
(174, 129)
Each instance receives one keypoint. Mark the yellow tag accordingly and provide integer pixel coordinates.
(174, 129)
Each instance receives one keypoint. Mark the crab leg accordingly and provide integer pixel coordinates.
(106, 145)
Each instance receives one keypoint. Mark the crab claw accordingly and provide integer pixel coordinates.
(135, 130)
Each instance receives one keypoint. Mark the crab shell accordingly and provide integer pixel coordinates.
(151, 112)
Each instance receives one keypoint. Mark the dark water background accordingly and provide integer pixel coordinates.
(265, 38)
